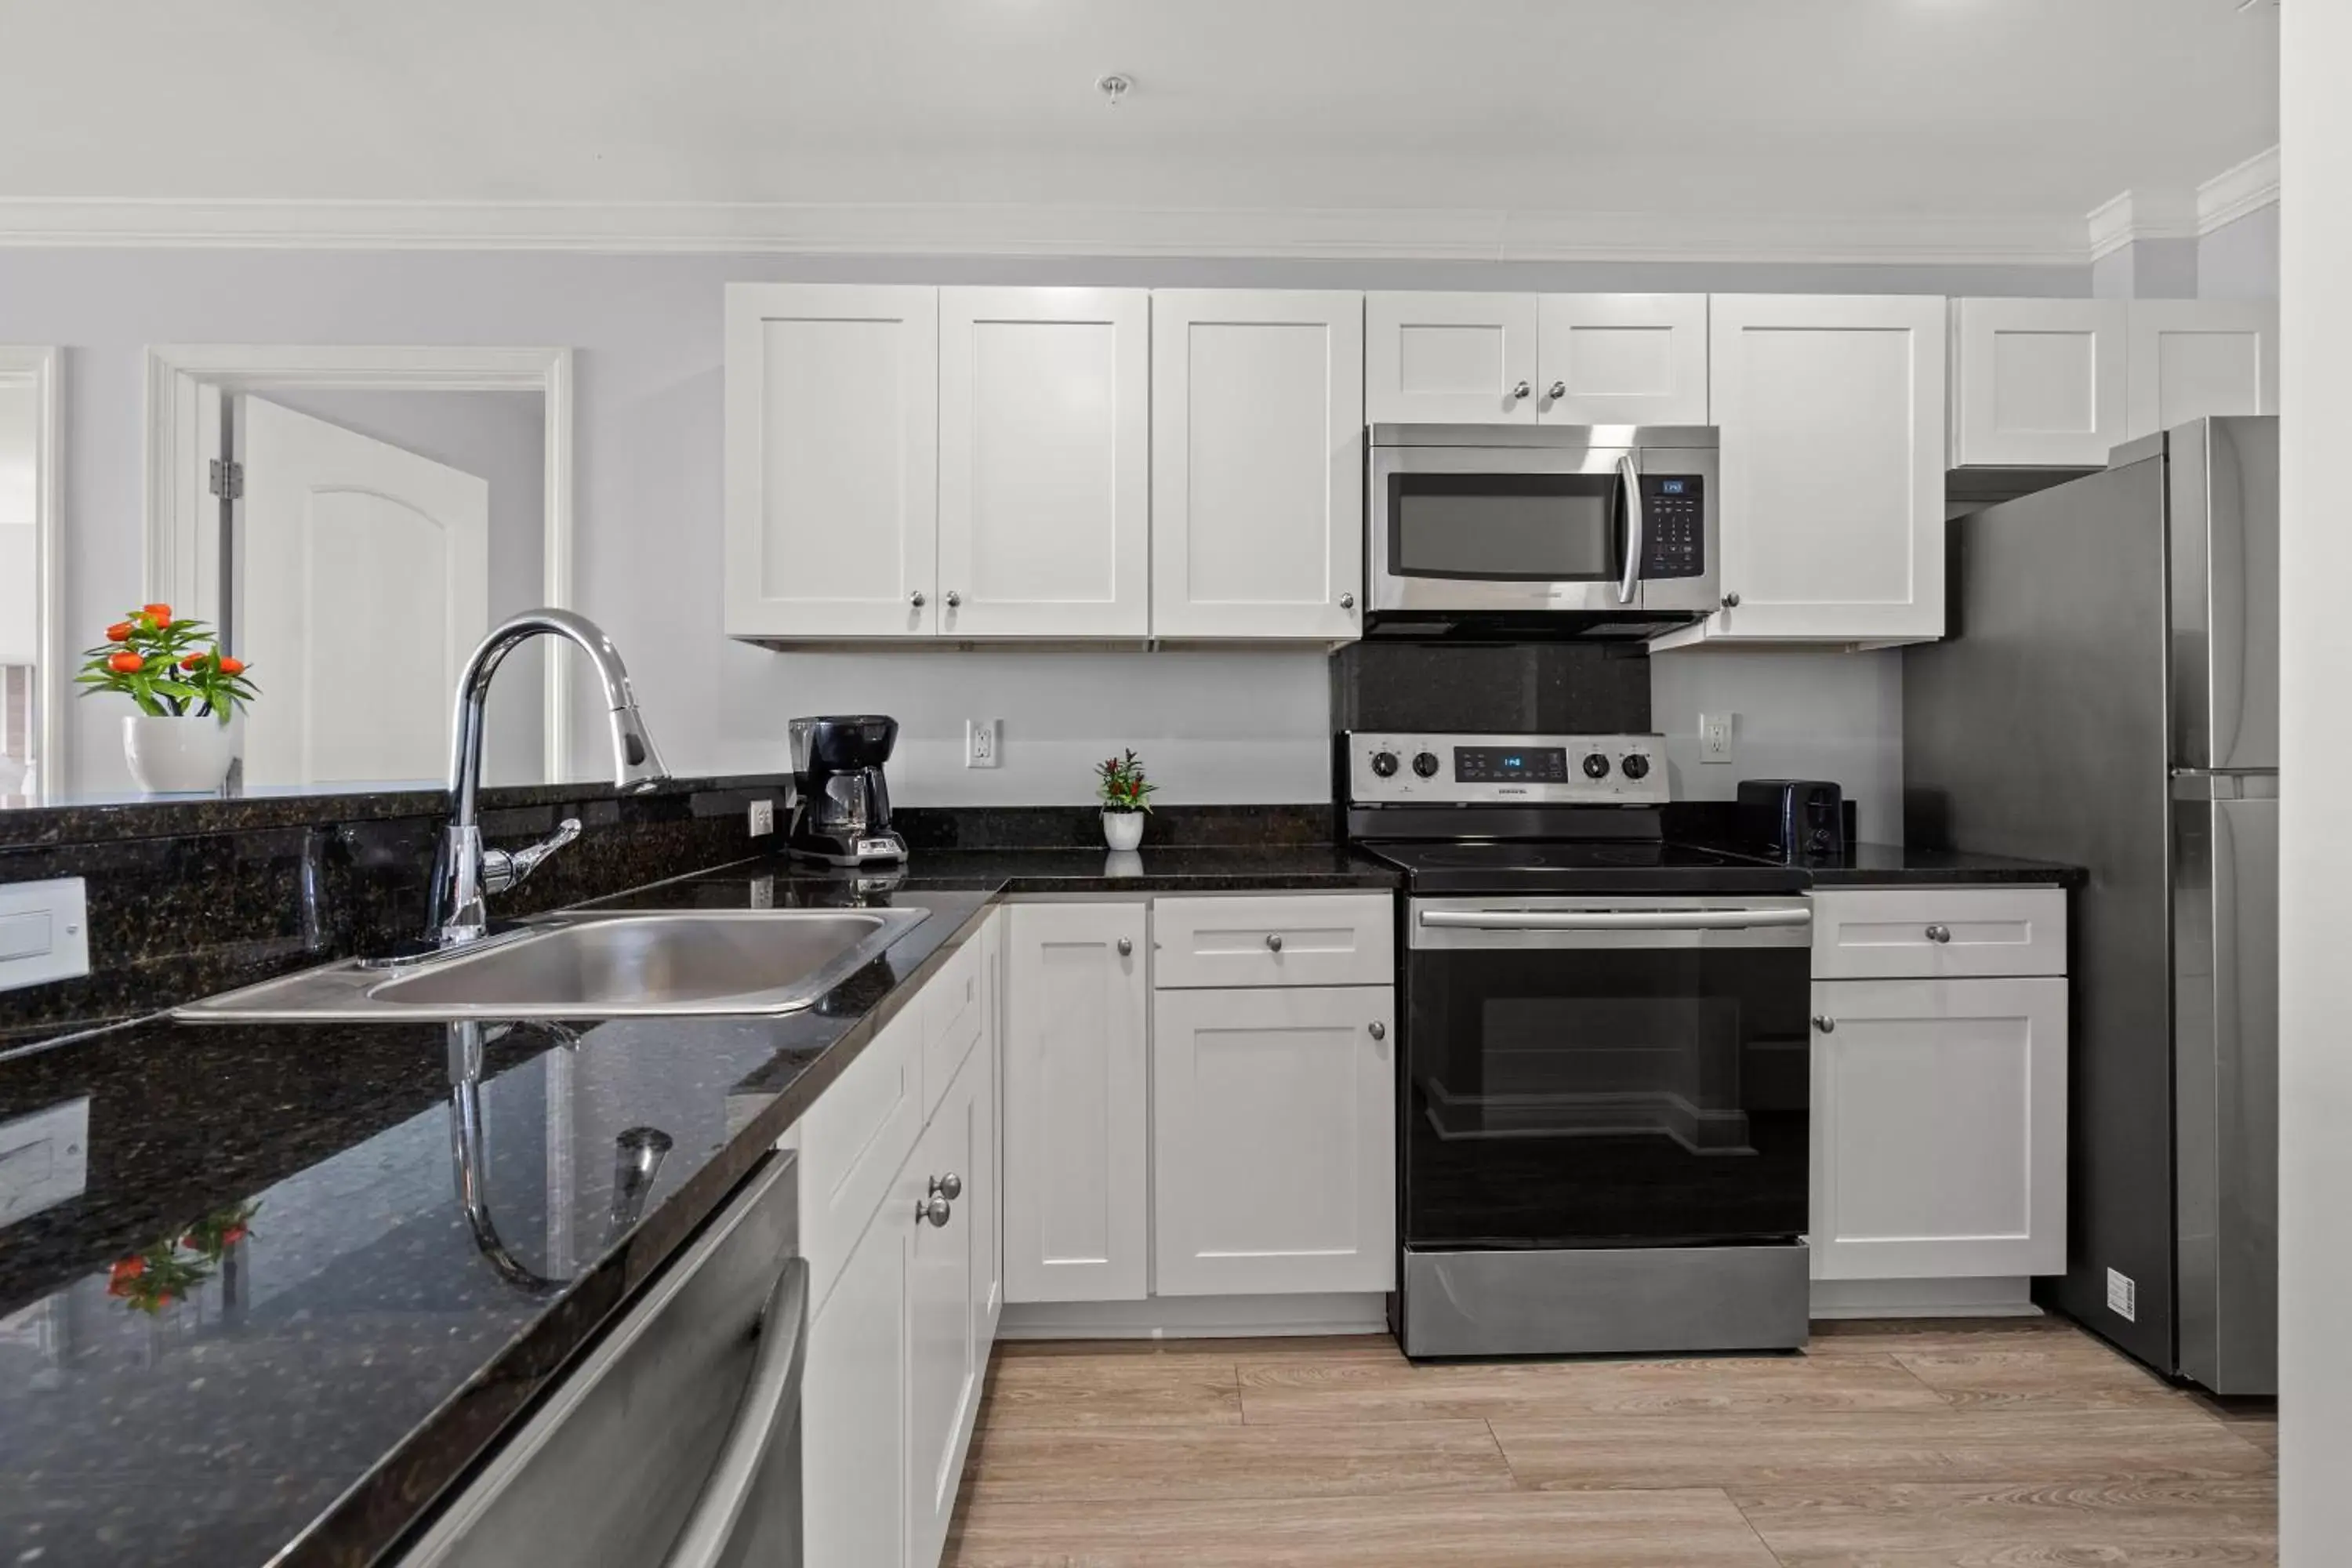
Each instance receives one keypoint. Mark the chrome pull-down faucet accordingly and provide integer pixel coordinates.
(465, 872)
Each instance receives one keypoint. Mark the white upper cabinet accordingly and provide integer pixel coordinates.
(1450, 359)
(1257, 464)
(2190, 358)
(832, 459)
(1830, 410)
(1044, 448)
(1622, 359)
(2037, 381)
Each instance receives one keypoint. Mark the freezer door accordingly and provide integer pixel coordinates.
(2225, 1059)
(2223, 502)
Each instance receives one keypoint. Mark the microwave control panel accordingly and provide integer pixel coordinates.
(1674, 525)
(1387, 769)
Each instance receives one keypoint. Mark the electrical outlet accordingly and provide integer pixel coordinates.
(763, 818)
(1715, 737)
(2123, 1296)
(983, 740)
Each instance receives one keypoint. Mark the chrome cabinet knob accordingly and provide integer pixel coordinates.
(1521, 391)
(954, 598)
(1380, 1030)
(1731, 600)
(916, 598)
(1274, 941)
(1939, 934)
(1825, 1023)
(935, 1209)
(1125, 947)
(1347, 601)
(947, 1186)
(1556, 391)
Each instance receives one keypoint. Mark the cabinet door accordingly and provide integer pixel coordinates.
(853, 1404)
(2194, 357)
(1045, 462)
(1450, 359)
(1274, 1139)
(832, 459)
(1257, 470)
(1073, 1097)
(1940, 1129)
(943, 1364)
(1622, 359)
(1831, 414)
(985, 1182)
(2037, 381)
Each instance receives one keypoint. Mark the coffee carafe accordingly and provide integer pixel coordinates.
(842, 815)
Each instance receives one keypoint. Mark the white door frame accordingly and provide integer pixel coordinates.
(40, 367)
(185, 383)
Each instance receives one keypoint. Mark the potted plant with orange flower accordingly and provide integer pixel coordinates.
(187, 692)
(1125, 796)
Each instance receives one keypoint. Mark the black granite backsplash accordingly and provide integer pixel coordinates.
(1561, 687)
(1080, 826)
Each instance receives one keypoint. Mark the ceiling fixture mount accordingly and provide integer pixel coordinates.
(1114, 87)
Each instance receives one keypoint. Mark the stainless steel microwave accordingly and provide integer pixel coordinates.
(1593, 530)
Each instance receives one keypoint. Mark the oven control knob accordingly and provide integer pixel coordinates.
(1596, 766)
(1425, 765)
(1384, 764)
(1635, 766)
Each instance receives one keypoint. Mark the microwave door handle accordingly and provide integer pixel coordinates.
(770, 1403)
(1630, 477)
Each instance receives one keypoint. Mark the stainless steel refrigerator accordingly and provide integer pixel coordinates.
(2108, 695)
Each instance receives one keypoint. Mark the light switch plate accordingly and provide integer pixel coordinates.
(44, 931)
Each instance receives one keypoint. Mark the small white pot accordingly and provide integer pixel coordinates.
(1122, 829)
(185, 755)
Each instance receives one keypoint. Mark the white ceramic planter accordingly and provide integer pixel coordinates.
(1122, 829)
(178, 756)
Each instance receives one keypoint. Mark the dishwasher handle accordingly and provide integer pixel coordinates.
(1613, 920)
(771, 1402)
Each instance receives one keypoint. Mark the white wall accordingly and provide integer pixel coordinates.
(2239, 260)
(1801, 713)
(2315, 856)
(647, 429)
(20, 641)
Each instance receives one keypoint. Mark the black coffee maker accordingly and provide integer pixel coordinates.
(842, 815)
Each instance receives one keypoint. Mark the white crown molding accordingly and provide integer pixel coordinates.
(1015, 229)
(2234, 193)
(2135, 216)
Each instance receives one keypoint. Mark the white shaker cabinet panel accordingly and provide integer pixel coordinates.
(1830, 410)
(2037, 381)
(2190, 358)
(855, 1394)
(1257, 463)
(986, 1179)
(1450, 359)
(944, 1354)
(1939, 1136)
(1622, 359)
(1044, 443)
(1073, 1097)
(831, 414)
(1274, 1140)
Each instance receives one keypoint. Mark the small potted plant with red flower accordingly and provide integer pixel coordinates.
(187, 692)
(1126, 798)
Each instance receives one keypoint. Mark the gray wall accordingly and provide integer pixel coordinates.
(2240, 260)
(1219, 726)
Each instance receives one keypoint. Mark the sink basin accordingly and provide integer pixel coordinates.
(595, 965)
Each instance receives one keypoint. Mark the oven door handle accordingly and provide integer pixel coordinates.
(1630, 476)
(1612, 920)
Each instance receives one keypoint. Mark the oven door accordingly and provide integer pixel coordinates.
(1510, 528)
(1605, 1072)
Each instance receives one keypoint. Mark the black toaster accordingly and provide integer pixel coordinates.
(1797, 819)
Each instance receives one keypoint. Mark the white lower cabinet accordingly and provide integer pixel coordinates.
(1273, 1140)
(1939, 1128)
(946, 1357)
(854, 1405)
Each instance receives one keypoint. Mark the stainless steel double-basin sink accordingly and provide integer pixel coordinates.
(591, 963)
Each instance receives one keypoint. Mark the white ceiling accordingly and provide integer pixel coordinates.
(1978, 126)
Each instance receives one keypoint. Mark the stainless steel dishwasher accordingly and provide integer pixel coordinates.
(677, 1442)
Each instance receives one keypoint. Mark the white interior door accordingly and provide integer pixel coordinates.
(362, 583)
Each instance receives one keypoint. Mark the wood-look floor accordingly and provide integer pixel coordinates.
(2013, 1445)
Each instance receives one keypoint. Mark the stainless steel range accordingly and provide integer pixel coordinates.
(1606, 1056)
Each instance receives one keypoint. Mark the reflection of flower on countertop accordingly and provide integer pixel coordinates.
(163, 1274)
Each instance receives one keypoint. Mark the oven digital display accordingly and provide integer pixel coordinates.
(1510, 765)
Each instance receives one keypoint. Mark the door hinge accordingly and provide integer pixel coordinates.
(227, 480)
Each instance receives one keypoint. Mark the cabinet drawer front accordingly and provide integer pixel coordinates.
(1318, 938)
(953, 1005)
(1931, 934)
(853, 1140)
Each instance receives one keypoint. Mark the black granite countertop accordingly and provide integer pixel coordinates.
(1894, 866)
(259, 1328)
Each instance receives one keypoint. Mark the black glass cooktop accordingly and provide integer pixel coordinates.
(1575, 865)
